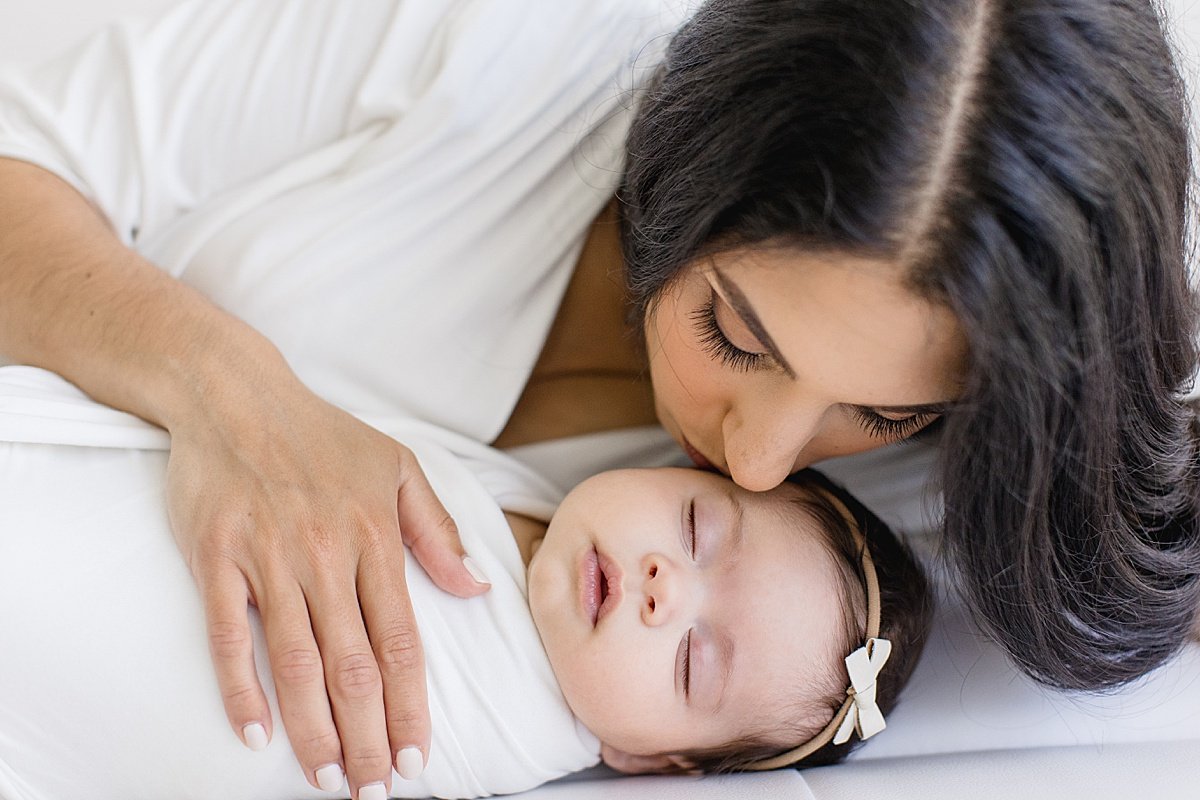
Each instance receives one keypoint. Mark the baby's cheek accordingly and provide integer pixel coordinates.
(621, 708)
(588, 697)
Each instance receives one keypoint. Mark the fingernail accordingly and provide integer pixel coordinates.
(330, 778)
(255, 736)
(410, 763)
(374, 791)
(475, 571)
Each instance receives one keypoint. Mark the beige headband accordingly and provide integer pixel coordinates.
(859, 711)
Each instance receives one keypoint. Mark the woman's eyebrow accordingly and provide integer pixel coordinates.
(741, 307)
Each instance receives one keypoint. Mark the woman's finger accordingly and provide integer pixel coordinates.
(300, 682)
(383, 595)
(354, 683)
(432, 535)
(231, 644)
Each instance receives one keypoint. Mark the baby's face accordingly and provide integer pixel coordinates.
(680, 611)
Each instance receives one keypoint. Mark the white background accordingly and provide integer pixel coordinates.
(32, 29)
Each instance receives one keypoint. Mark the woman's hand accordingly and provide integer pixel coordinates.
(291, 505)
(276, 498)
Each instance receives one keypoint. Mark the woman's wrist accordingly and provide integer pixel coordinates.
(222, 371)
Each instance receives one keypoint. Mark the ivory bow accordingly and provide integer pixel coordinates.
(864, 715)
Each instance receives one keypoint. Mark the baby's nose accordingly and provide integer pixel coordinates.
(663, 590)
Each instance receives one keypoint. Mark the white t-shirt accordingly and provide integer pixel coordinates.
(107, 690)
(394, 192)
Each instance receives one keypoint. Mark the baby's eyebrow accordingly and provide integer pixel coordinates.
(737, 531)
(725, 648)
(725, 642)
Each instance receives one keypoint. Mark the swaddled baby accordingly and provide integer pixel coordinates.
(690, 625)
(668, 621)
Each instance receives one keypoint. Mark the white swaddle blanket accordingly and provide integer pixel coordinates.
(106, 686)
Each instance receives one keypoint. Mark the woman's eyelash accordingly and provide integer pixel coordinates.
(717, 344)
(891, 430)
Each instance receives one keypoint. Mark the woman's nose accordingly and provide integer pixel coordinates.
(664, 591)
(764, 446)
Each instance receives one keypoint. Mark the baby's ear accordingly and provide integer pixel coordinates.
(641, 765)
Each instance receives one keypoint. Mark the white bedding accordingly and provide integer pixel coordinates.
(969, 726)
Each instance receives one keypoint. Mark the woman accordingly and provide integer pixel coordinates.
(840, 221)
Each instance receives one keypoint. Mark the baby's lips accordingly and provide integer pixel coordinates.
(590, 580)
(612, 578)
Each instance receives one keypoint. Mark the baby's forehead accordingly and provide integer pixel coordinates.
(800, 507)
(801, 514)
(790, 646)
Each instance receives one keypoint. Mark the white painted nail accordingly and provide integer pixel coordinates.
(475, 571)
(255, 736)
(374, 791)
(330, 778)
(410, 763)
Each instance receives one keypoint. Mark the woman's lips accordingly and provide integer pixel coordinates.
(696, 457)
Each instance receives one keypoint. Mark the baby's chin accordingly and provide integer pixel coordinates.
(534, 596)
(542, 613)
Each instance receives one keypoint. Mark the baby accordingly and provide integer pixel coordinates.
(694, 625)
(668, 621)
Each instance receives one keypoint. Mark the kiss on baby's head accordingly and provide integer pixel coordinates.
(693, 625)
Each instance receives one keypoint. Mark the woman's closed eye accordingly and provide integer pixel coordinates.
(717, 344)
(889, 429)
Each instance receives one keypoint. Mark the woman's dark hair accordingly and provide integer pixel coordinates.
(906, 610)
(1026, 164)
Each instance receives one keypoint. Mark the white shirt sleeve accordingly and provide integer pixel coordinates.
(150, 118)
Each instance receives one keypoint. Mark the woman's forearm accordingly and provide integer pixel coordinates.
(75, 300)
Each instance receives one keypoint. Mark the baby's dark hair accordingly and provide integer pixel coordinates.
(906, 609)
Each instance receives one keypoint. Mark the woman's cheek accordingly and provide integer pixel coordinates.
(679, 393)
(687, 382)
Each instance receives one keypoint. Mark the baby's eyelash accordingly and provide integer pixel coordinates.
(717, 344)
(687, 663)
(692, 526)
(891, 430)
